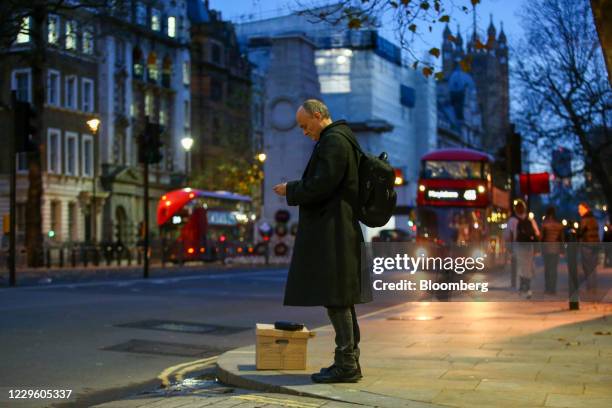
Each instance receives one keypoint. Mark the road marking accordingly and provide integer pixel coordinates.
(278, 401)
(164, 376)
(131, 282)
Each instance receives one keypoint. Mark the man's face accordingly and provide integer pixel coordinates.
(311, 125)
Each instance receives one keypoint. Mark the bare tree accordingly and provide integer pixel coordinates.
(409, 20)
(565, 98)
(12, 14)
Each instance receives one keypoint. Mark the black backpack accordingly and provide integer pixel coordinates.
(525, 231)
(376, 182)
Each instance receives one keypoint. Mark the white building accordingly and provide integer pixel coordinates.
(389, 106)
(145, 72)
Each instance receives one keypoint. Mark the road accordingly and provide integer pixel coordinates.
(103, 339)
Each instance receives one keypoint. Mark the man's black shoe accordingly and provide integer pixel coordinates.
(326, 369)
(336, 374)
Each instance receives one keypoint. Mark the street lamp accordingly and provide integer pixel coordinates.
(94, 125)
(187, 143)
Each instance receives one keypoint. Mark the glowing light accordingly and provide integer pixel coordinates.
(564, 222)
(399, 181)
(576, 225)
(93, 124)
(341, 59)
(187, 143)
(421, 187)
(190, 251)
(239, 250)
(470, 195)
(51, 234)
(410, 223)
(168, 203)
(531, 215)
(606, 228)
(476, 225)
(481, 189)
(222, 239)
(164, 197)
(202, 250)
(261, 157)
(191, 195)
(176, 219)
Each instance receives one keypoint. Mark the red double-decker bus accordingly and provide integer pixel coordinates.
(457, 200)
(199, 225)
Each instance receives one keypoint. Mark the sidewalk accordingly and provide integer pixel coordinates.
(459, 354)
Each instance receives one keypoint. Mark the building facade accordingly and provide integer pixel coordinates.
(363, 79)
(68, 145)
(145, 72)
(473, 99)
(220, 91)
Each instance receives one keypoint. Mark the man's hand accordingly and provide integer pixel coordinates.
(280, 189)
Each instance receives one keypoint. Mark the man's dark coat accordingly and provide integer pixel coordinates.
(326, 263)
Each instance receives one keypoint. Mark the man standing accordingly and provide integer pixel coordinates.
(588, 236)
(326, 263)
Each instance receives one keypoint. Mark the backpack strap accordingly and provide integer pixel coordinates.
(352, 142)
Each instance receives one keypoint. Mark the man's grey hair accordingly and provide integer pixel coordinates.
(314, 105)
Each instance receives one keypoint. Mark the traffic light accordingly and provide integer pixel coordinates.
(155, 143)
(24, 127)
(150, 144)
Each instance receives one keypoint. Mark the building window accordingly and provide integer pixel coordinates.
(166, 72)
(54, 151)
(21, 83)
(216, 90)
(152, 68)
(216, 54)
(70, 96)
(55, 218)
(141, 14)
(172, 27)
(88, 42)
(334, 69)
(187, 115)
(87, 93)
(87, 155)
(53, 87)
(407, 96)
(186, 73)
(24, 33)
(53, 29)
(72, 222)
(71, 150)
(22, 162)
(71, 35)
(149, 104)
(163, 112)
(137, 63)
(155, 20)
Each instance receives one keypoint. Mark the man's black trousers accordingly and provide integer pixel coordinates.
(344, 321)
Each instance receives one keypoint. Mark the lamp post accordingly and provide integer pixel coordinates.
(94, 125)
(261, 157)
(187, 143)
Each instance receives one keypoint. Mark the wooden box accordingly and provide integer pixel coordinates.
(280, 349)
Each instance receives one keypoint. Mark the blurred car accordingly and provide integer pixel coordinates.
(393, 235)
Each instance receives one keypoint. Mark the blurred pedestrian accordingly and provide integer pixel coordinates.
(325, 267)
(588, 236)
(523, 233)
(552, 236)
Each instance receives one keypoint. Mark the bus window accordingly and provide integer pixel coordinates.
(453, 170)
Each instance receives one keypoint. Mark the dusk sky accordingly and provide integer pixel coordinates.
(502, 10)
